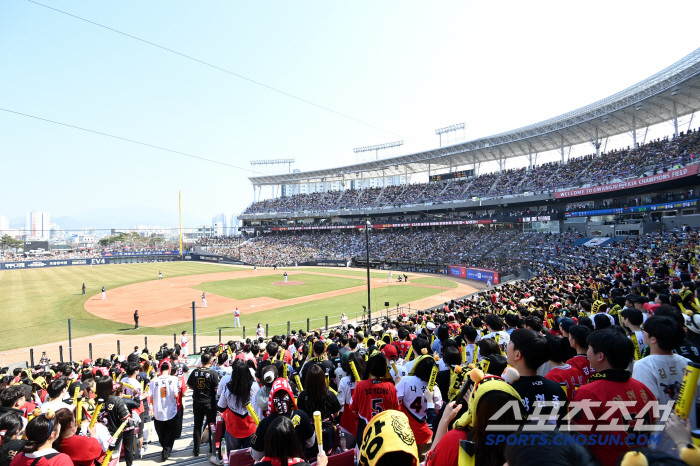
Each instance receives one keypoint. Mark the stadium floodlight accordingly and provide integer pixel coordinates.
(377, 148)
(272, 161)
(448, 129)
(387, 145)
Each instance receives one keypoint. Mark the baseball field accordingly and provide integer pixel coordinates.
(37, 303)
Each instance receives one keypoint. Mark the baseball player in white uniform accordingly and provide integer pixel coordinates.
(104, 293)
(391, 274)
(160, 275)
(285, 277)
(204, 299)
(183, 344)
(237, 320)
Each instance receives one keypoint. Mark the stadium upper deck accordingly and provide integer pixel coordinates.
(665, 96)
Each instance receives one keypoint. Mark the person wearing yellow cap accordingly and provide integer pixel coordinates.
(488, 397)
(389, 441)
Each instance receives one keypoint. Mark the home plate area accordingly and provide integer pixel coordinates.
(289, 283)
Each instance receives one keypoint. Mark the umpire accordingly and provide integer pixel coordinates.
(203, 382)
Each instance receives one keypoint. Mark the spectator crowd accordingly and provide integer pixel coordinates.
(529, 371)
(652, 157)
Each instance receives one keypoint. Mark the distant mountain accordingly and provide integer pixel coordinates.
(128, 217)
(67, 223)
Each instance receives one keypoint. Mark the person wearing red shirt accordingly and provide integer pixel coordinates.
(560, 372)
(83, 451)
(41, 432)
(373, 394)
(404, 342)
(610, 353)
(578, 335)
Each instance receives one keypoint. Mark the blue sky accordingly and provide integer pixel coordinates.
(406, 67)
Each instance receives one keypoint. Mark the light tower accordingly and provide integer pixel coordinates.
(450, 129)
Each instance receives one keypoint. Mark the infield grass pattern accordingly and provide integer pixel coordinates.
(254, 287)
(434, 281)
(350, 303)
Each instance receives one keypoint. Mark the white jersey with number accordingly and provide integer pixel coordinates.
(164, 390)
(410, 392)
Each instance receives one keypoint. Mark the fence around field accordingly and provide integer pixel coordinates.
(105, 345)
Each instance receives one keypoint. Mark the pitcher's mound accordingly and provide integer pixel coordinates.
(289, 283)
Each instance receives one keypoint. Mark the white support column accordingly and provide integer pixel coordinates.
(634, 132)
(428, 170)
(562, 148)
(529, 155)
(597, 143)
(500, 160)
(675, 119)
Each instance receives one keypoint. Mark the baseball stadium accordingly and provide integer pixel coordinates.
(394, 311)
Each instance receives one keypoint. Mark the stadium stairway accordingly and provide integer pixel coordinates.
(182, 450)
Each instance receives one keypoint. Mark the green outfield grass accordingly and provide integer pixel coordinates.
(36, 303)
(435, 281)
(350, 303)
(254, 287)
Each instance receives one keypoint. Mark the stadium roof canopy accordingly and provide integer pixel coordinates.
(671, 93)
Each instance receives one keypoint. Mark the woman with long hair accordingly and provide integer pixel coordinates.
(83, 451)
(346, 388)
(488, 397)
(41, 432)
(11, 432)
(317, 396)
(238, 393)
(283, 448)
(114, 413)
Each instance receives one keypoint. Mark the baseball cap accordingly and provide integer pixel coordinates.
(333, 348)
(565, 323)
(430, 326)
(390, 352)
(87, 362)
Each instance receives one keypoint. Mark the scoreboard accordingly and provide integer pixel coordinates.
(453, 175)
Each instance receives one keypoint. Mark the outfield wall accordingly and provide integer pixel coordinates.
(39, 264)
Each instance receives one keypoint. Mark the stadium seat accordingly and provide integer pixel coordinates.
(240, 458)
(347, 458)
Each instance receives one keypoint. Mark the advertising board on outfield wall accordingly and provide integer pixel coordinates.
(50, 263)
(475, 273)
(634, 183)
